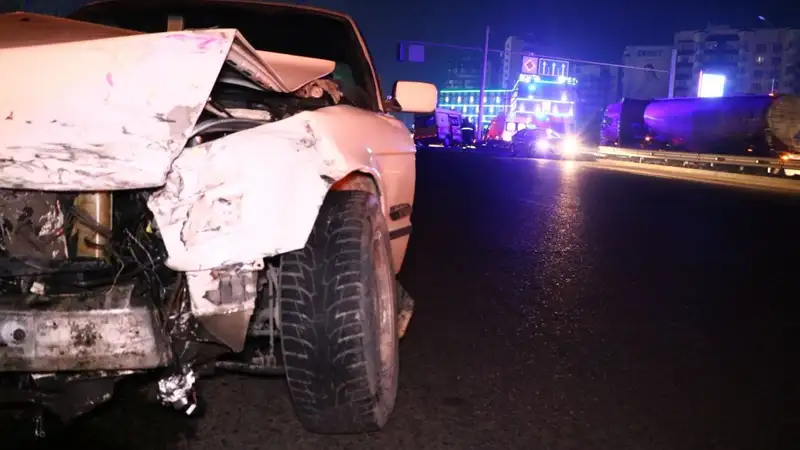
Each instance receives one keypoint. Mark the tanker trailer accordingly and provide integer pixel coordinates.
(748, 125)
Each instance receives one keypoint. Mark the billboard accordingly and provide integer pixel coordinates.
(711, 85)
(646, 83)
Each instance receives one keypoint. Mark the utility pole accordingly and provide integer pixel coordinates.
(482, 94)
(673, 63)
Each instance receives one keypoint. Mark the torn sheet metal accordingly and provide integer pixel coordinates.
(254, 193)
(120, 109)
(294, 72)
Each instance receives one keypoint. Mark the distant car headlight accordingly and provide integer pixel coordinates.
(570, 145)
(542, 144)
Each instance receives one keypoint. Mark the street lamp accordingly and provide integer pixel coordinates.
(766, 21)
(771, 25)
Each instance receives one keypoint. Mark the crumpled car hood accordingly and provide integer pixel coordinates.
(121, 108)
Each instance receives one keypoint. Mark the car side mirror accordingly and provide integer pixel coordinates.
(413, 97)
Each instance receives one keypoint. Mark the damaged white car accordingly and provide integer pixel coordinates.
(195, 185)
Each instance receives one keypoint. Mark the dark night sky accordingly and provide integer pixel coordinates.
(585, 29)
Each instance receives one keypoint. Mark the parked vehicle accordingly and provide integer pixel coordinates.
(544, 143)
(441, 128)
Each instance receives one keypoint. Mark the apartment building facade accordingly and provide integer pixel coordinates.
(754, 61)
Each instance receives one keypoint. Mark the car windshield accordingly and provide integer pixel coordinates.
(273, 28)
(542, 133)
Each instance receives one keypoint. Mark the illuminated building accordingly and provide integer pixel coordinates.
(536, 97)
(465, 101)
(542, 101)
(543, 96)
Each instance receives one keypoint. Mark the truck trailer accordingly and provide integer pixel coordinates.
(747, 125)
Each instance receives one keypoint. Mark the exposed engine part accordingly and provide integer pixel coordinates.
(251, 114)
(256, 366)
(93, 234)
(317, 88)
(236, 97)
(177, 390)
(222, 125)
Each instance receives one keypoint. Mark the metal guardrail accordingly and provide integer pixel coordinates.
(699, 158)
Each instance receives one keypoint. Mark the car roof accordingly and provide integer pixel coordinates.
(248, 3)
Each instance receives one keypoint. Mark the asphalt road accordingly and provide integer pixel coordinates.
(559, 306)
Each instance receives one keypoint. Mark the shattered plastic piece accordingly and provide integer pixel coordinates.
(178, 390)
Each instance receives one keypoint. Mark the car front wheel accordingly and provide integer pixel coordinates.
(339, 319)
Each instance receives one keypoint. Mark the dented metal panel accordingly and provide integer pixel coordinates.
(254, 193)
(117, 114)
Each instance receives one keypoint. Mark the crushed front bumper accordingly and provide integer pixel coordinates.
(103, 330)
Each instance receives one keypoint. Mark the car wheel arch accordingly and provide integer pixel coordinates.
(360, 180)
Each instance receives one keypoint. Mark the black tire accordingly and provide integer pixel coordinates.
(339, 319)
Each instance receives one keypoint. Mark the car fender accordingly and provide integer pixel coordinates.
(380, 146)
